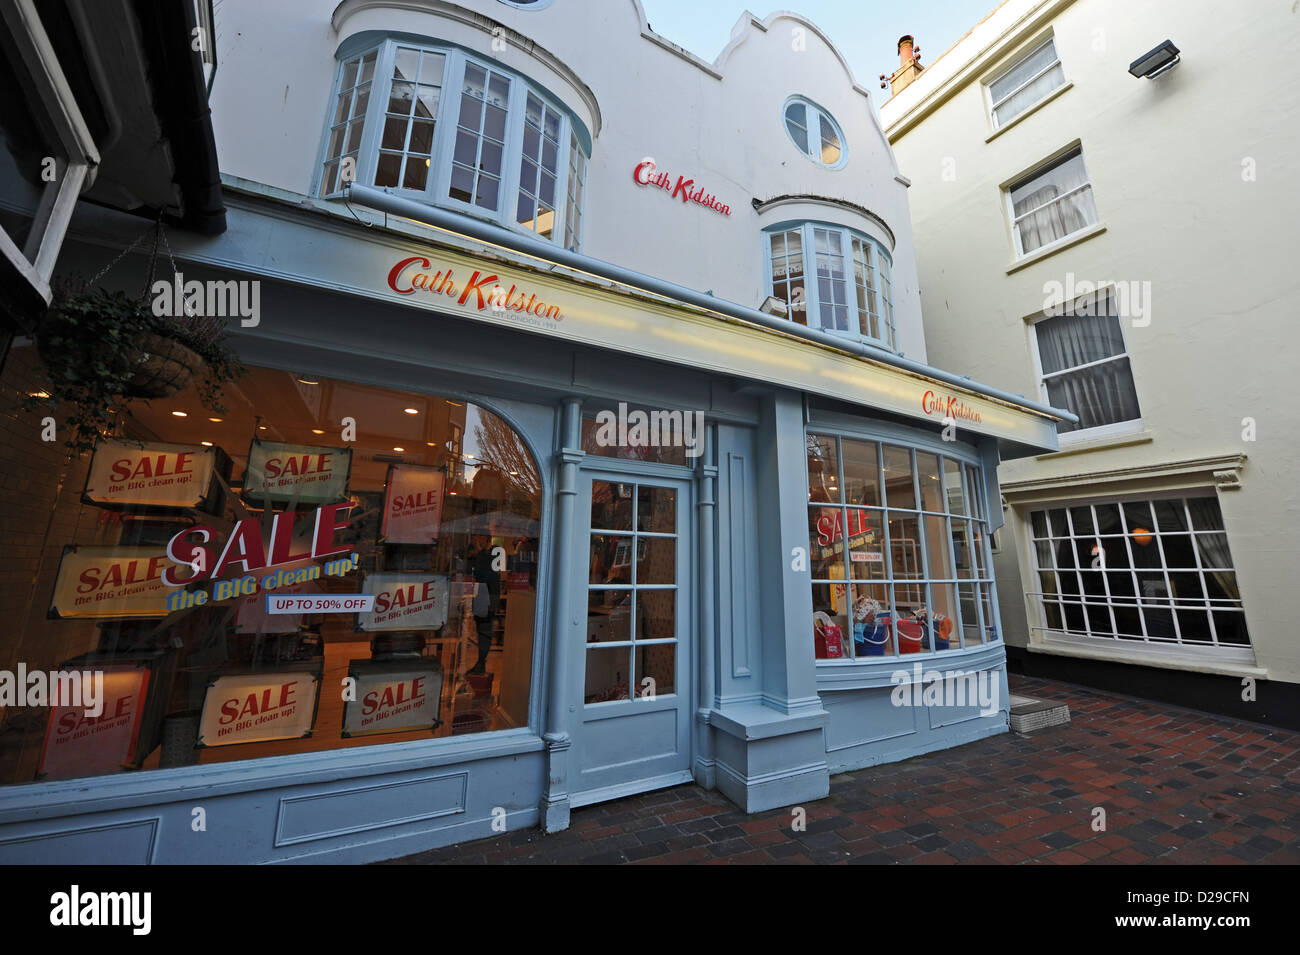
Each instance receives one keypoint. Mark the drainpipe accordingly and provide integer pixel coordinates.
(554, 810)
(705, 769)
(548, 252)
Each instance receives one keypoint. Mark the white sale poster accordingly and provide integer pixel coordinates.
(412, 504)
(78, 743)
(405, 602)
(256, 707)
(390, 701)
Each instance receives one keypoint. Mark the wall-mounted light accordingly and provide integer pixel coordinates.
(1154, 62)
(774, 306)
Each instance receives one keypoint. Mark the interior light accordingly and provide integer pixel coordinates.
(180, 414)
(206, 444)
(469, 457)
(454, 404)
(309, 381)
(261, 427)
(411, 410)
(38, 394)
(317, 431)
(217, 420)
(399, 449)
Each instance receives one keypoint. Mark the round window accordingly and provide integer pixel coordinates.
(813, 131)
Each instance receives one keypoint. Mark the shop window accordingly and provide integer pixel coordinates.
(814, 132)
(1139, 573)
(1084, 366)
(257, 583)
(898, 549)
(1052, 204)
(644, 434)
(438, 125)
(1025, 83)
(849, 290)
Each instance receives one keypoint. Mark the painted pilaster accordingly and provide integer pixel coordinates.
(554, 810)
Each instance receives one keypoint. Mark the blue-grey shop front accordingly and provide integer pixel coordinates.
(438, 567)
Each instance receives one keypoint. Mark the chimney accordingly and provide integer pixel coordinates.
(909, 66)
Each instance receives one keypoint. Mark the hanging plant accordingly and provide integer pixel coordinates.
(101, 348)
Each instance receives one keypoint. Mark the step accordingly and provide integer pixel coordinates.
(1029, 715)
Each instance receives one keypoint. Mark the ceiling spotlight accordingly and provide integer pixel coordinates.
(317, 431)
(206, 444)
(180, 414)
(309, 381)
(1154, 62)
(261, 427)
(215, 420)
(399, 449)
(411, 410)
(38, 394)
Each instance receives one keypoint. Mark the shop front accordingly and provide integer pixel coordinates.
(474, 540)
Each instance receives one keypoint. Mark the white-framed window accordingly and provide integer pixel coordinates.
(1024, 83)
(439, 125)
(898, 550)
(1051, 203)
(1145, 572)
(814, 132)
(1083, 366)
(832, 278)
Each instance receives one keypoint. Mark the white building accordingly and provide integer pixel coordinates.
(477, 231)
(1121, 245)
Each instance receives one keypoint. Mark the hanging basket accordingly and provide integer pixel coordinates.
(165, 368)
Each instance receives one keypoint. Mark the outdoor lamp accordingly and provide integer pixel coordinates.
(1156, 61)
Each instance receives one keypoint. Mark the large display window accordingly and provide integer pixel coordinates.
(322, 565)
(898, 549)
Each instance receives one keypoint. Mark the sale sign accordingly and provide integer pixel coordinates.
(257, 707)
(149, 475)
(389, 701)
(405, 602)
(112, 583)
(288, 473)
(412, 504)
(77, 744)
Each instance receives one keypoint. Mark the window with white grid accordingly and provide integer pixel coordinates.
(1154, 573)
(898, 550)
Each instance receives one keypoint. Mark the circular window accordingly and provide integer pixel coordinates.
(817, 135)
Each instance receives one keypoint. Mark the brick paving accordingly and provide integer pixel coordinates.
(1178, 786)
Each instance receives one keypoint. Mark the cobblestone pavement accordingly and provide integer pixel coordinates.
(1177, 786)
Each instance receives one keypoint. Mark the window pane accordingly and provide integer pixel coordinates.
(417, 173)
(797, 124)
(1053, 204)
(611, 559)
(872, 630)
(826, 542)
(939, 623)
(823, 468)
(1073, 340)
(406, 64)
(1019, 74)
(861, 473)
(1099, 395)
(608, 616)
(899, 491)
(388, 169)
(927, 472)
(956, 494)
(936, 544)
(864, 531)
(611, 506)
(607, 674)
(905, 547)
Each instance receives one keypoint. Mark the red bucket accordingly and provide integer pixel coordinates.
(910, 634)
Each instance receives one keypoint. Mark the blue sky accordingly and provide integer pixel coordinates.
(866, 31)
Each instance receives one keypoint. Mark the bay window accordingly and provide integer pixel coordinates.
(1153, 574)
(898, 549)
(845, 288)
(439, 125)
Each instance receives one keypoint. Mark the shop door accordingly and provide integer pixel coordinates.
(633, 599)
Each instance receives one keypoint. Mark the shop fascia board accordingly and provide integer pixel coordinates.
(283, 238)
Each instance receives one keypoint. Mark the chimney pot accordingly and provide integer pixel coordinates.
(905, 48)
